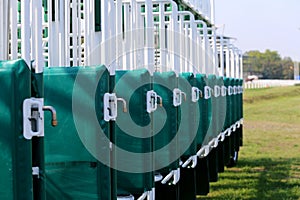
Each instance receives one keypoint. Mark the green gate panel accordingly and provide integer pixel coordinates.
(241, 112)
(188, 116)
(163, 85)
(205, 111)
(15, 155)
(72, 172)
(133, 131)
(212, 128)
(228, 120)
(188, 120)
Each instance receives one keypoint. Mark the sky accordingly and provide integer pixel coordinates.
(261, 25)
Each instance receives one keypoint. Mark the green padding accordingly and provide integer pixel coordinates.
(165, 122)
(221, 106)
(228, 120)
(71, 171)
(212, 129)
(133, 131)
(188, 116)
(15, 154)
(201, 82)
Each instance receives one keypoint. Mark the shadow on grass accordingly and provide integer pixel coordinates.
(257, 179)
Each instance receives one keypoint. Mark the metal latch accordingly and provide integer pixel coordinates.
(217, 91)
(207, 92)
(111, 106)
(240, 89)
(234, 90)
(177, 97)
(223, 91)
(230, 90)
(33, 117)
(196, 94)
(152, 101)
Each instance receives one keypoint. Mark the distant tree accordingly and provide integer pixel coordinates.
(269, 65)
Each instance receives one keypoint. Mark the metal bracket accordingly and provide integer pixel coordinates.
(207, 92)
(33, 118)
(177, 97)
(235, 91)
(240, 89)
(230, 90)
(152, 101)
(196, 94)
(193, 160)
(111, 106)
(217, 91)
(223, 91)
(36, 171)
(175, 174)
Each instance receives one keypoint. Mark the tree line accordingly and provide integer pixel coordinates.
(268, 65)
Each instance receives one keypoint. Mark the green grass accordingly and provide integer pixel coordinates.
(269, 161)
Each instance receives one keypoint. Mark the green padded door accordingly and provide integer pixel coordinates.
(165, 122)
(72, 172)
(15, 154)
(202, 175)
(165, 130)
(188, 120)
(133, 132)
(188, 117)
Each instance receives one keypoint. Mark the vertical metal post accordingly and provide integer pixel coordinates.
(221, 55)
(232, 60)
(13, 28)
(25, 31)
(227, 52)
(162, 38)
(241, 66)
(149, 40)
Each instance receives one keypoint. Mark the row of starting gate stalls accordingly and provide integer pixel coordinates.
(129, 136)
(146, 104)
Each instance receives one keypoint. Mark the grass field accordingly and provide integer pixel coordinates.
(269, 161)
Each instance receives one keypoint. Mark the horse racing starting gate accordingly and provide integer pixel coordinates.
(116, 99)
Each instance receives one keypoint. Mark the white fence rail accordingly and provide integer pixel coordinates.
(255, 84)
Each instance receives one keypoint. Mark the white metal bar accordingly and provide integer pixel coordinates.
(25, 31)
(74, 33)
(149, 40)
(227, 63)
(232, 59)
(241, 66)
(174, 43)
(14, 28)
(221, 55)
(4, 35)
(67, 31)
(162, 38)
(119, 34)
(237, 64)
(37, 30)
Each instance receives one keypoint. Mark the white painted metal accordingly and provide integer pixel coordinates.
(4, 5)
(25, 31)
(221, 53)
(13, 28)
(36, 51)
